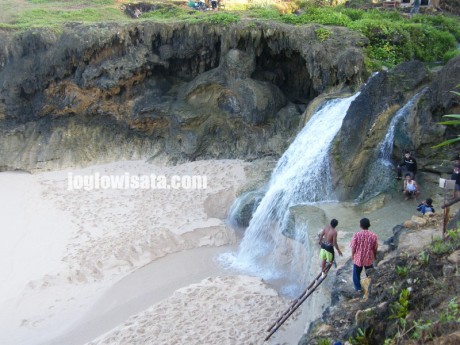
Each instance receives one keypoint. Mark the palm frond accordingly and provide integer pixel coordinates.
(447, 142)
(453, 122)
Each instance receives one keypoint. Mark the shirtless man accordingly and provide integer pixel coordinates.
(327, 241)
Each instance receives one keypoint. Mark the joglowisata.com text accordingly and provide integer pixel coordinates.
(135, 181)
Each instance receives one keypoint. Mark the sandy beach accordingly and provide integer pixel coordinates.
(218, 310)
(77, 262)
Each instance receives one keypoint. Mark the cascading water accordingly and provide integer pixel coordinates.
(381, 171)
(301, 176)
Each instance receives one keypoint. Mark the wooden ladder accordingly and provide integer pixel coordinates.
(298, 301)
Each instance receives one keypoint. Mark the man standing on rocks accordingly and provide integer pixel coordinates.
(363, 251)
(327, 241)
(410, 166)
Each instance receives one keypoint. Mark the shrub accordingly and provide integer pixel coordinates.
(428, 43)
(450, 55)
(442, 23)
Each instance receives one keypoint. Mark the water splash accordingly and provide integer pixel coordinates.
(301, 176)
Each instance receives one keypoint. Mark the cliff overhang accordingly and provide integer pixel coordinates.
(176, 90)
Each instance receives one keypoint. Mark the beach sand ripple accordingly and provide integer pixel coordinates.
(218, 310)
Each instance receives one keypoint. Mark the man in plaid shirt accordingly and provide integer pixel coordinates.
(363, 251)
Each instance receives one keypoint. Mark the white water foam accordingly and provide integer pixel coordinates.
(301, 176)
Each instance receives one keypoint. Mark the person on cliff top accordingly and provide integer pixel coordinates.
(426, 206)
(364, 247)
(415, 9)
(411, 188)
(408, 165)
(456, 177)
(327, 241)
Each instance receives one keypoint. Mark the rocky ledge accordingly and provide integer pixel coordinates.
(412, 296)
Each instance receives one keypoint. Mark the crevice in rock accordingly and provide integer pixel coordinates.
(286, 69)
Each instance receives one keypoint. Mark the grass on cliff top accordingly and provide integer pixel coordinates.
(28, 14)
(393, 36)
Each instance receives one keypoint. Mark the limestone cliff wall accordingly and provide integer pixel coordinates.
(366, 124)
(173, 90)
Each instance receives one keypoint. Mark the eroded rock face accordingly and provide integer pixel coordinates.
(177, 91)
(367, 120)
(438, 100)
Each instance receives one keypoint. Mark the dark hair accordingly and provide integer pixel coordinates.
(429, 201)
(365, 223)
(334, 223)
(408, 174)
(407, 151)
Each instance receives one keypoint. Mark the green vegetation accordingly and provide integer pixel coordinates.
(426, 328)
(222, 18)
(400, 308)
(402, 271)
(53, 14)
(176, 13)
(422, 329)
(447, 245)
(324, 341)
(452, 313)
(362, 337)
(268, 12)
(169, 13)
(392, 37)
(322, 34)
(399, 311)
(424, 258)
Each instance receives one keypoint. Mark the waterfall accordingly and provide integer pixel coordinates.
(381, 171)
(386, 146)
(301, 176)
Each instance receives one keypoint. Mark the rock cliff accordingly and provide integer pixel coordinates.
(175, 91)
(368, 117)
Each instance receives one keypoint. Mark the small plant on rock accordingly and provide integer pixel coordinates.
(402, 271)
(452, 313)
(322, 34)
(400, 308)
(424, 258)
(363, 337)
(324, 341)
(447, 245)
(421, 330)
